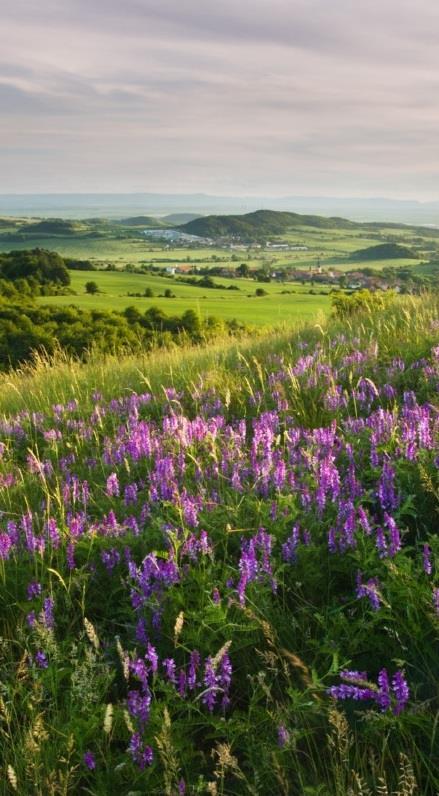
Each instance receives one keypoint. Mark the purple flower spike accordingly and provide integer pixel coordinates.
(41, 659)
(142, 755)
(33, 590)
(211, 683)
(371, 590)
(283, 736)
(5, 546)
(89, 761)
(401, 692)
(383, 696)
(426, 560)
(113, 489)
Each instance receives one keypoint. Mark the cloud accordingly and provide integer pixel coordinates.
(274, 96)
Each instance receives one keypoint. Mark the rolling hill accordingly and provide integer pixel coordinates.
(384, 251)
(260, 223)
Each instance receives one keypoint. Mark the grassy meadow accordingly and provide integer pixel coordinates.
(106, 243)
(242, 304)
(219, 566)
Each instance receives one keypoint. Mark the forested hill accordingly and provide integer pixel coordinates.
(264, 223)
(384, 251)
(261, 223)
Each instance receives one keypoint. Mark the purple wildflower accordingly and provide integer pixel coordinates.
(152, 657)
(182, 682)
(359, 689)
(194, 663)
(211, 682)
(216, 597)
(381, 543)
(426, 559)
(170, 670)
(110, 558)
(70, 556)
(401, 692)
(33, 590)
(346, 691)
(113, 489)
(224, 678)
(394, 535)
(383, 696)
(283, 736)
(31, 619)
(89, 761)
(370, 589)
(46, 616)
(139, 705)
(53, 533)
(386, 488)
(40, 659)
(141, 754)
(289, 549)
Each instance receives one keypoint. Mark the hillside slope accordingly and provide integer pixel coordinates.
(142, 221)
(220, 570)
(261, 223)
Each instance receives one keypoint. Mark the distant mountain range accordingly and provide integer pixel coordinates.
(161, 205)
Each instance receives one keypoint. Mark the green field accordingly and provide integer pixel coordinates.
(105, 243)
(331, 247)
(227, 304)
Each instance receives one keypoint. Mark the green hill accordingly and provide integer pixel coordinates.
(52, 226)
(384, 251)
(260, 223)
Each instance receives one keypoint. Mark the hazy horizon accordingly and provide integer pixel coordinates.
(278, 98)
(120, 205)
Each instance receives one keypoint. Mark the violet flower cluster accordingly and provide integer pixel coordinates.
(388, 695)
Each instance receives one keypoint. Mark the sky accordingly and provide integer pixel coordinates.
(253, 97)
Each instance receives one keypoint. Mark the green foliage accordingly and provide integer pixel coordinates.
(79, 265)
(45, 267)
(92, 288)
(26, 329)
(362, 301)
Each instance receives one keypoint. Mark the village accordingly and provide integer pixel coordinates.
(400, 280)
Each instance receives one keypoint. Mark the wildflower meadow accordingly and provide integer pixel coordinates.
(226, 581)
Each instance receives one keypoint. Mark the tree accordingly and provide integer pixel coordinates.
(91, 288)
(243, 270)
(45, 266)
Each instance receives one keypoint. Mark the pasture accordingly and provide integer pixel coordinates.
(242, 304)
